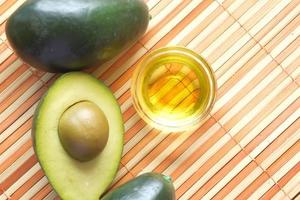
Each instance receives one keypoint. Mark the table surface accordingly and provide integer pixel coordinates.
(248, 147)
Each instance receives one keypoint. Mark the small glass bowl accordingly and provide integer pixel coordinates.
(173, 89)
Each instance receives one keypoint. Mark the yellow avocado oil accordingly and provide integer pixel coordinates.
(173, 88)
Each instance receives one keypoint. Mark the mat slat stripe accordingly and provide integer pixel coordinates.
(248, 147)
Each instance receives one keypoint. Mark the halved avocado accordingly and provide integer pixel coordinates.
(74, 178)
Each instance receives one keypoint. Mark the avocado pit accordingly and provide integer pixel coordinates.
(83, 130)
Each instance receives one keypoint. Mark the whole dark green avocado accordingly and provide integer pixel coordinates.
(68, 35)
(148, 186)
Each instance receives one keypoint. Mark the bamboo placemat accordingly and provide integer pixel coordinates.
(248, 148)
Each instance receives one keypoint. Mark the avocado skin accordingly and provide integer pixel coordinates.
(61, 36)
(149, 186)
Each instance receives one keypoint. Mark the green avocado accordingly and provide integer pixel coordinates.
(69, 35)
(148, 186)
(78, 136)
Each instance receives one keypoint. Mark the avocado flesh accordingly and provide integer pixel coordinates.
(70, 178)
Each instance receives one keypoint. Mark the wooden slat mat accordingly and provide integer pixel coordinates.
(248, 148)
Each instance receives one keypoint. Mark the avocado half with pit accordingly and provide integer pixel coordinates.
(78, 136)
(69, 35)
